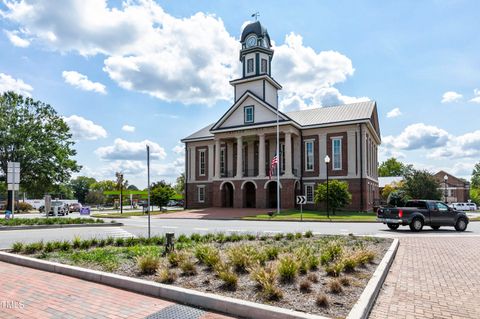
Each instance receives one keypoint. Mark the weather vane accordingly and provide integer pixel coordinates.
(255, 15)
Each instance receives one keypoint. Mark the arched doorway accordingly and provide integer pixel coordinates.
(227, 195)
(249, 195)
(272, 194)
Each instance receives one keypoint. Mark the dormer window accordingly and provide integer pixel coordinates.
(250, 66)
(248, 114)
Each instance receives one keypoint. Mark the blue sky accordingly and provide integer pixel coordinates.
(162, 68)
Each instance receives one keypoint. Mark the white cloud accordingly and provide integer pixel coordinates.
(128, 128)
(462, 146)
(16, 40)
(82, 82)
(394, 113)
(179, 149)
(308, 77)
(418, 136)
(125, 150)
(451, 96)
(476, 98)
(84, 129)
(8, 83)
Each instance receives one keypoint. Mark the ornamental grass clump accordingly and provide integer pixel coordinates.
(188, 266)
(147, 264)
(17, 247)
(66, 246)
(305, 286)
(335, 286)
(76, 242)
(345, 281)
(242, 257)
(265, 278)
(308, 234)
(334, 269)
(33, 247)
(207, 255)
(322, 300)
(364, 256)
(85, 244)
(290, 236)
(312, 277)
(329, 253)
(349, 263)
(228, 276)
(165, 275)
(271, 252)
(287, 268)
(175, 258)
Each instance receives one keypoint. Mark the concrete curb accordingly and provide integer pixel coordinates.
(2, 228)
(264, 220)
(362, 308)
(226, 305)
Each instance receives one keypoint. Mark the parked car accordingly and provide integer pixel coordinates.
(464, 206)
(418, 213)
(74, 207)
(62, 208)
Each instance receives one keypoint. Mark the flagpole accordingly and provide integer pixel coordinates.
(278, 163)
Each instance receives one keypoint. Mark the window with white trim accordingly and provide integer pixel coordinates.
(337, 153)
(248, 114)
(202, 162)
(201, 194)
(222, 160)
(309, 157)
(309, 192)
(250, 66)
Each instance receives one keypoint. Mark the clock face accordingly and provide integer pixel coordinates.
(251, 41)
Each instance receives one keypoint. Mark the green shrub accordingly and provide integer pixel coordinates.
(308, 234)
(220, 238)
(183, 239)
(290, 236)
(57, 245)
(263, 237)
(17, 247)
(65, 246)
(298, 235)
(33, 247)
(165, 275)
(334, 286)
(49, 247)
(234, 238)
(102, 242)
(251, 237)
(349, 263)
(120, 241)
(207, 238)
(23, 207)
(364, 256)
(278, 236)
(147, 264)
(195, 237)
(86, 244)
(110, 240)
(130, 241)
(332, 251)
(287, 268)
(94, 242)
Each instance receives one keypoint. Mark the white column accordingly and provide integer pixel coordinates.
(251, 155)
(322, 153)
(211, 161)
(261, 155)
(217, 158)
(288, 154)
(239, 157)
(351, 152)
(193, 163)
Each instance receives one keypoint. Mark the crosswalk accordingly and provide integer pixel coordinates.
(117, 232)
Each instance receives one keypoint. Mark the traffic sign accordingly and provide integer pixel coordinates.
(301, 200)
(13, 187)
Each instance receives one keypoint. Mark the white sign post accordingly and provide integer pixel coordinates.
(13, 181)
(300, 201)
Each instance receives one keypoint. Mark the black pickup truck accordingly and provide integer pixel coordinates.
(418, 213)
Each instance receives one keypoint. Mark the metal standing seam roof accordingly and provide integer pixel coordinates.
(317, 116)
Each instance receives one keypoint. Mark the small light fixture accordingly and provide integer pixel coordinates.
(327, 159)
(445, 178)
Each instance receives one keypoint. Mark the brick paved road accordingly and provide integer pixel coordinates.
(435, 277)
(49, 295)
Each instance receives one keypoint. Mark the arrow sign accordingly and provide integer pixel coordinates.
(301, 200)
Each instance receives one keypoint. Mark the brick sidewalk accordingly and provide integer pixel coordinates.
(432, 278)
(214, 213)
(48, 295)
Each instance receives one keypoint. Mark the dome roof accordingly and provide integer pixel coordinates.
(256, 28)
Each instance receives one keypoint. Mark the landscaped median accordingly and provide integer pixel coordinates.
(131, 214)
(52, 222)
(309, 215)
(321, 275)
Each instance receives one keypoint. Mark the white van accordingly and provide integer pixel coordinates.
(464, 206)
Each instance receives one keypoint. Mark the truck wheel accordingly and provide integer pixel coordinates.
(416, 224)
(461, 224)
(435, 227)
(393, 226)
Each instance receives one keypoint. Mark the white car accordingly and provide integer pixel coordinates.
(464, 206)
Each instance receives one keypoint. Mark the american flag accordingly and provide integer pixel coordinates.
(272, 166)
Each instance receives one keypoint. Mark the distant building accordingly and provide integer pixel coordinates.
(457, 189)
(228, 162)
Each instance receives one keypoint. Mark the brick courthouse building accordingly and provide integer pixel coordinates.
(228, 162)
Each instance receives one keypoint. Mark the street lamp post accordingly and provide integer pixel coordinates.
(327, 161)
(445, 179)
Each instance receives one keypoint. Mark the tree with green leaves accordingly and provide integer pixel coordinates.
(81, 187)
(180, 184)
(475, 181)
(32, 133)
(393, 167)
(95, 198)
(161, 193)
(338, 194)
(132, 188)
(422, 185)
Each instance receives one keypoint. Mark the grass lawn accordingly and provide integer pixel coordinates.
(48, 221)
(129, 214)
(316, 215)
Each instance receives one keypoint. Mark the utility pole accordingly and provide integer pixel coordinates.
(148, 187)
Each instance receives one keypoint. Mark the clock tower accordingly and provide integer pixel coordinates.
(256, 58)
